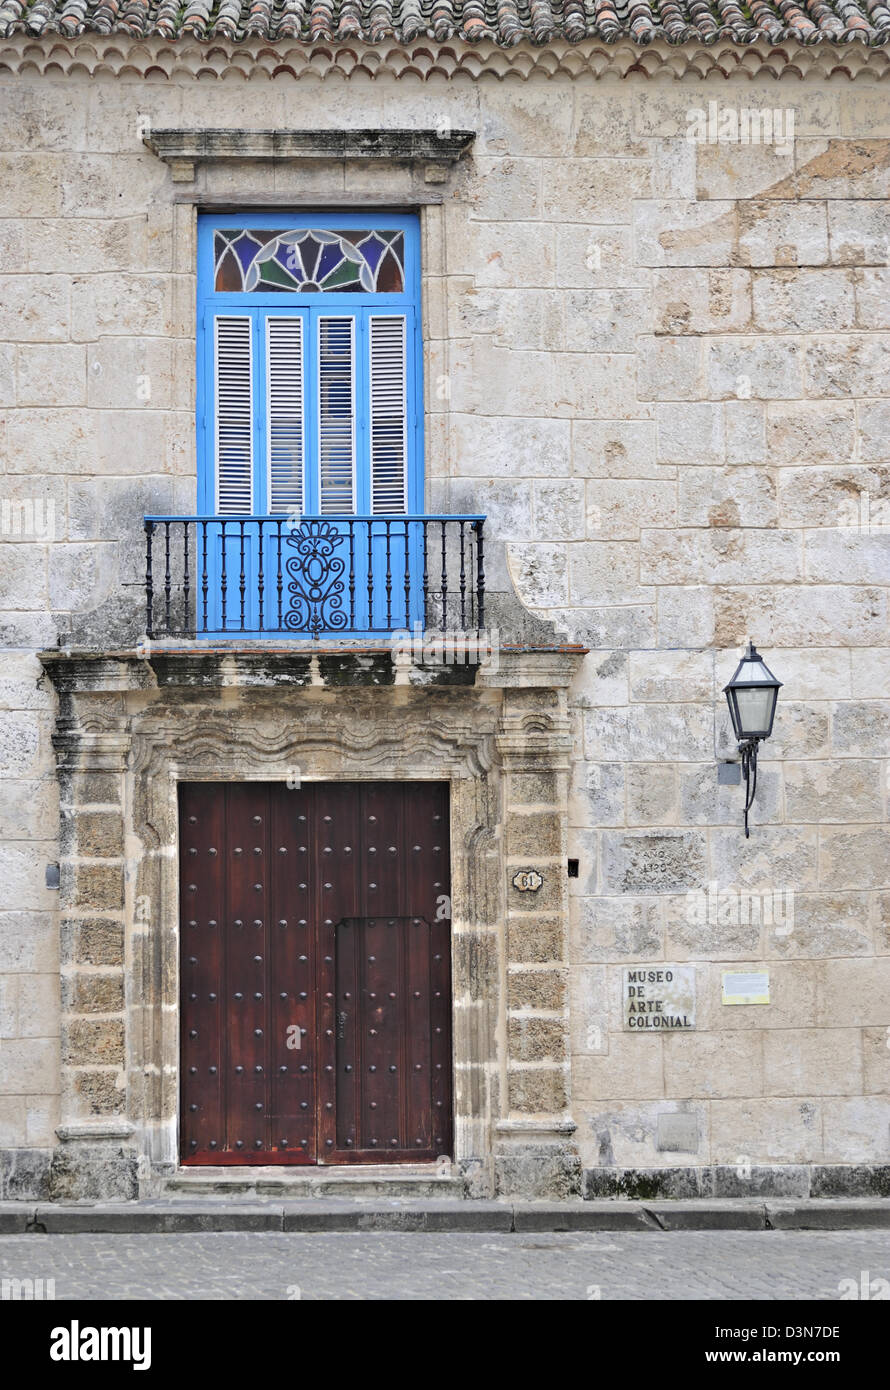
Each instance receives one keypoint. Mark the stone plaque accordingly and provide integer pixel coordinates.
(527, 881)
(746, 986)
(659, 998)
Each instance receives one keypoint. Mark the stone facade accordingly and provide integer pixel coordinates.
(661, 367)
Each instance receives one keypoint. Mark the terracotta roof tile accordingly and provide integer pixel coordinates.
(505, 22)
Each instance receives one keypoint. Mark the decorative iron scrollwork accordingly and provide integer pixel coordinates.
(315, 586)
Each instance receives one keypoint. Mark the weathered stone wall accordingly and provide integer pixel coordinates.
(663, 370)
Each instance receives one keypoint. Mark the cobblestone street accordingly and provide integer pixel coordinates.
(645, 1266)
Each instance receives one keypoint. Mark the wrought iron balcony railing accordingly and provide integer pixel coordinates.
(343, 576)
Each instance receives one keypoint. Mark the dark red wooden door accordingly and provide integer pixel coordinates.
(315, 973)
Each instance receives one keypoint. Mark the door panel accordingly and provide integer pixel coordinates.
(293, 1079)
(316, 997)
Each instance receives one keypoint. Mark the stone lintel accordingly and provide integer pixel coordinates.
(182, 148)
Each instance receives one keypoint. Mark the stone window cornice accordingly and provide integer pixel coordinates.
(184, 149)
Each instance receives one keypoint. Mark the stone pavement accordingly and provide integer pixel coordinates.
(649, 1265)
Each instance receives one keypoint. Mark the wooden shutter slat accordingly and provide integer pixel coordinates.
(336, 415)
(388, 414)
(285, 388)
(233, 370)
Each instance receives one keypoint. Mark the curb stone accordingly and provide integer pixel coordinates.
(164, 1216)
(828, 1215)
(15, 1218)
(617, 1215)
(439, 1216)
(725, 1214)
(144, 1218)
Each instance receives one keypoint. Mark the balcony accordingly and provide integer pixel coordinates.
(218, 577)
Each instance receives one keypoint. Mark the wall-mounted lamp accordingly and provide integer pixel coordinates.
(751, 696)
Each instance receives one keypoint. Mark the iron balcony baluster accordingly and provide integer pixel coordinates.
(407, 576)
(352, 576)
(260, 585)
(463, 581)
(186, 584)
(370, 574)
(426, 572)
(167, 574)
(388, 580)
(223, 577)
(149, 585)
(204, 583)
(316, 596)
(480, 577)
(242, 583)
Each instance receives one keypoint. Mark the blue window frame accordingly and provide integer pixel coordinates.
(309, 381)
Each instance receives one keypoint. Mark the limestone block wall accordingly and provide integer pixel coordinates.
(662, 368)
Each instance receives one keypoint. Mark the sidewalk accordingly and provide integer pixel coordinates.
(158, 1217)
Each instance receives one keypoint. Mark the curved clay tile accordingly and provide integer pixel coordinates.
(71, 17)
(196, 17)
(134, 18)
(321, 19)
(474, 26)
(289, 20)
(508, 23)
(39, 16)
(543, 27)
(608, 25)
(166, 20)
(575, 21)
(381, 23)
(412, 21)
(11, 15)
(766, 21)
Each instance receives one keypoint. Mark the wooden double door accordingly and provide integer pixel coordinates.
(315, 973)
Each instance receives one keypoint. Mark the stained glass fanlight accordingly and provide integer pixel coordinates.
(309, 261)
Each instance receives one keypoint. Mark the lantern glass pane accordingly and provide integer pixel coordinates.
(755, 709)
(755, 671)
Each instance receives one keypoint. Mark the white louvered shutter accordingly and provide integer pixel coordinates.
(388, 414)
(285, 386)
(233, 369)
(336, 415)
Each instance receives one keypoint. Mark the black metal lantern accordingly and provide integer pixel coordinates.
(751, 696)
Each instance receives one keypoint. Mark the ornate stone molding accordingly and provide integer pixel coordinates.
(106, 56)
(132, 728)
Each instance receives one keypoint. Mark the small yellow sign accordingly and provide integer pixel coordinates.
(746, 986)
